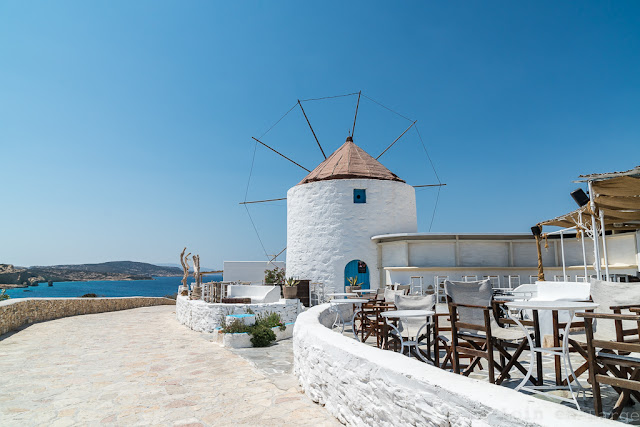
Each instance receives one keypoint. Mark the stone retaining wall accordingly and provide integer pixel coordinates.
(365, 386)
(17, 312)
(207, 317)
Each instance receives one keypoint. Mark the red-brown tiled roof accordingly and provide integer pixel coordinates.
(350, 162)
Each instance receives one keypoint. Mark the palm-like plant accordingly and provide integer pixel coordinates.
(353, 281)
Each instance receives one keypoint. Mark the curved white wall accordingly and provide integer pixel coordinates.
(326, 230)
(364, 386)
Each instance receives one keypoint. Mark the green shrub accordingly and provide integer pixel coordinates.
(3, 296)
(262, 336)
(261, 333)
(235, 327)
(270, 320)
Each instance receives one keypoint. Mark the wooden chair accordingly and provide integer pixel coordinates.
(613, 298)
(474, 322)
(616, 363)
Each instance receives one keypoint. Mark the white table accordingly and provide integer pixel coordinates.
(569, 306)
(334, 306)
(403, 315)
(342, 294)
(365, 291)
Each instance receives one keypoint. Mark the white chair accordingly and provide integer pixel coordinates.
(514, 281)
(559, 278)
(416, 288)
(470, 278)
(581, 278)
(438, 282)
(533, 279)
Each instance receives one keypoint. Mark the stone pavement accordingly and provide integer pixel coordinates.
(141, 367)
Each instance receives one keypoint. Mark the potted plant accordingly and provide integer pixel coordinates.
(290, 289)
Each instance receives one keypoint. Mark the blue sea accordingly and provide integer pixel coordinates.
(158, 287)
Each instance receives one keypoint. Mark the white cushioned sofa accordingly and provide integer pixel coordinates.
(258, 294)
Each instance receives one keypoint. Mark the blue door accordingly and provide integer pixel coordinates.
(359, 269)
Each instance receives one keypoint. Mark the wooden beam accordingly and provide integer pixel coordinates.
(262, 201)
(405, 131)
(314, 134)
(280, 154)
(429, 185)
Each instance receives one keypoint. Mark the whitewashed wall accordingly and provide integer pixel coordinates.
(326, 230)
(206, 317)
(248, 271)
(365, 386)
(457, 256)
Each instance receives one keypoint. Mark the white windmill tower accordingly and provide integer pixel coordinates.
(336, 209)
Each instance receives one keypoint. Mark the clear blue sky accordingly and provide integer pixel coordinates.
(125, 127)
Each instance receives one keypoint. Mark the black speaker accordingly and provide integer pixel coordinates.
(580, 197)
(536, 230)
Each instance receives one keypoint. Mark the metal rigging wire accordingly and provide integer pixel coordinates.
(253, 159)
(433, 216)
(384, 106)
(328, 97)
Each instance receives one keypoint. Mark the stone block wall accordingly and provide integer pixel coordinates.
(207, 317)
(365, 386)
(17, 312)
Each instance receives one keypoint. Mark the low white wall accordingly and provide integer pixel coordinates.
(206, 317)
(362, 385)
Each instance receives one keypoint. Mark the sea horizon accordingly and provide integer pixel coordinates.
(156, 287)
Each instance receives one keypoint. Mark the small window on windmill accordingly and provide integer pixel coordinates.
(359, 196)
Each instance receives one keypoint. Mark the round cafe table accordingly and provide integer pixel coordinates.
(342, 294)
(404, 315)
(563, 351)
(339, 320)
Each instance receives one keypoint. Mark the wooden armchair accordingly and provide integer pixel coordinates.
(613, 298)
(613, 362)
(474, 323)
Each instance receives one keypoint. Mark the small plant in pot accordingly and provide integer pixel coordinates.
(290, 289)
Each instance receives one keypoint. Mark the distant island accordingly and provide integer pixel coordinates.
(18, 277)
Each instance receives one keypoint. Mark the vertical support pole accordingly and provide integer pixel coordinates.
(356, 116)
(584, 252)
(564, 266)
(540, 267)
(604, 244)
(594, 229)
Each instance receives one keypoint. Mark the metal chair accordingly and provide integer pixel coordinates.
(439, 284)
(416, 288)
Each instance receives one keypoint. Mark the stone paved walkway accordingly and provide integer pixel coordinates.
(140, 367)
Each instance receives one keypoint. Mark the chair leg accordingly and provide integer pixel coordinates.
(591, 359)
(490, 362)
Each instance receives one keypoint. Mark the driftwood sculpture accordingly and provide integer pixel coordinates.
(184, 260)
(196, 287)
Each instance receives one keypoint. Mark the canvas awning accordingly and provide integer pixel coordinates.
(616, 195)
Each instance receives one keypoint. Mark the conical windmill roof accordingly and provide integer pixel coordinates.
(350, 162)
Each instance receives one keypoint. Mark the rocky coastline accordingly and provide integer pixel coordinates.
(23, 277)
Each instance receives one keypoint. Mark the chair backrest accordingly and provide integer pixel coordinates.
(609, 294)
(405, 288)
(390, 295)
(478, 292)
(415, 302)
